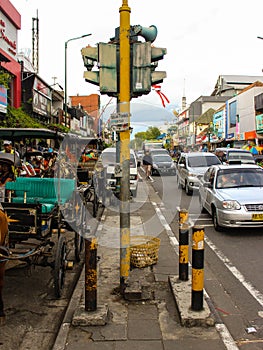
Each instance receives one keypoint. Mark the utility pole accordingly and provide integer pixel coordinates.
(124, 68)
(124, 139)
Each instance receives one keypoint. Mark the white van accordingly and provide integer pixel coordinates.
(108, 158)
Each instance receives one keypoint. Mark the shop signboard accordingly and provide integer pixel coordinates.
(8, 36)
(3, 99)
(259, 123)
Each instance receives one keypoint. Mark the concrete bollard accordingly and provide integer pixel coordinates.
(197, 268)
(91, 274)
(183, 252)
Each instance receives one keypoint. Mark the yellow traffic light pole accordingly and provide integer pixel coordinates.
(124, 137)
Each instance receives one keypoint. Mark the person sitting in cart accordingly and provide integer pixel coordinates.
(89, 154)
(6, 173)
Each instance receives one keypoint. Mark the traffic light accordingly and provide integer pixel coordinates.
(141, 68)
(103, 63)
(144, 62)
(90, 57)
(108, 69)
(157, 53)
(104, 58)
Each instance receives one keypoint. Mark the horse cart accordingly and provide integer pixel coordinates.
(39, 209)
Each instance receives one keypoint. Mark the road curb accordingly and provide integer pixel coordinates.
(61, 338)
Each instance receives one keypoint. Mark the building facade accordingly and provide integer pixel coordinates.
(10, 23)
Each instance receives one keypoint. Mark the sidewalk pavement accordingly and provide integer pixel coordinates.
(155, 314)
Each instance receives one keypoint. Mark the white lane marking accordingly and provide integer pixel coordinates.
(220, 327)
(249, 287)
(226, 336)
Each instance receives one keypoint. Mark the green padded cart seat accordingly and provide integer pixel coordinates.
(47, 191)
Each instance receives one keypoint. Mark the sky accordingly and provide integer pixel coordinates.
(204, 39)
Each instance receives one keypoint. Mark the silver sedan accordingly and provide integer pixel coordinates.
(233, 195)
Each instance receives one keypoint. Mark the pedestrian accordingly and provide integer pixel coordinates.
(147, 163)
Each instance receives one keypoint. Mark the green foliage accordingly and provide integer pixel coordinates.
(17, 118)
(150, 134)
(58, 127)
(5, 78)
(141, 135)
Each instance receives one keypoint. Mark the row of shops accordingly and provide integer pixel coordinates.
(237, 122)
(21, 85)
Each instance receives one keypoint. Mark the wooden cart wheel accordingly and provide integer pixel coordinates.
(81, 218)
(95, 204)
(79, 244)
(60, 266)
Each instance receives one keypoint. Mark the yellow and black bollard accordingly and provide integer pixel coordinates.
(91, 274)
(183, 251)
(183, 216)
(198, 236)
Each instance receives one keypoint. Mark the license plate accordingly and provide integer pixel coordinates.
(257, 217)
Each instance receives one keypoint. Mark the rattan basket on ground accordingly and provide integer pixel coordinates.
(144, 250)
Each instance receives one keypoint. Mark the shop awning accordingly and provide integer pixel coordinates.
(4, 58)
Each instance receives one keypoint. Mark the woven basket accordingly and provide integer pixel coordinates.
(144, 250)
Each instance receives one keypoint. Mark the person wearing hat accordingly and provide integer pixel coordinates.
(8, 148)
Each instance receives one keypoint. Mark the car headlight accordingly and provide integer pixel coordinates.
(155, 166)
(232, 205)
(192, 175)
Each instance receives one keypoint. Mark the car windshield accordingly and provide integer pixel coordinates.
(240, 155)
(202, 161)
(110, 158)
(159, 151)
(161, 158)
(230, 178)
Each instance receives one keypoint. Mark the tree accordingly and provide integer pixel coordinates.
(152, 133)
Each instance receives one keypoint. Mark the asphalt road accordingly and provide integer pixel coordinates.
(233, 281)
(233, 266)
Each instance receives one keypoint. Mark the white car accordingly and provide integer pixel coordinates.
(191, 167)
(108, 158)
(234, 155)
(233, 195)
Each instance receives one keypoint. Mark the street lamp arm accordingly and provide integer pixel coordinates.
(78, 37)
(66, 45)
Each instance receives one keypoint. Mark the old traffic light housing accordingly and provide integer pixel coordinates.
(144, 62)
(108, 69)
(90, 59)
(141, 69)
(157, 53)
(101, 64)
